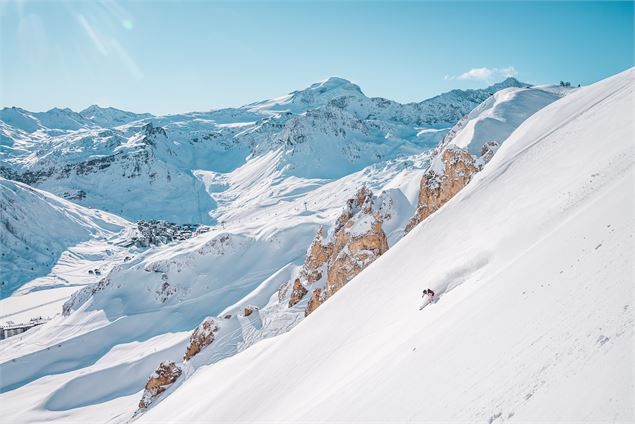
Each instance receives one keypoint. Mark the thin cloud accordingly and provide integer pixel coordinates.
(110, 46)
(94, 36)
(132, 66)
(484, 74)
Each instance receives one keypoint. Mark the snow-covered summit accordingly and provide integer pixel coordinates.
(110, 117)
(499, 115)
(315, 96)
(57, 119)
(54, 119)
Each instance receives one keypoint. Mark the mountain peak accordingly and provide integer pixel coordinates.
(314, 96)
(334, 84)
(92, 108)
(508, 82)
(65, 110)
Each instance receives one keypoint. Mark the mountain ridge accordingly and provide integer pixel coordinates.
(331, 83)
(323, 132)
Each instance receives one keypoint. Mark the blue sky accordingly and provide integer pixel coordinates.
(168, 57)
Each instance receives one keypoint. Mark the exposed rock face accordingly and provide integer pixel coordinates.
(297, 293)
(353, 243)
(316, 300)
(159, 381)
(248, 311)
(449, 172)
(201, 337)
(357, 253)
(152, 133)
(319, 254)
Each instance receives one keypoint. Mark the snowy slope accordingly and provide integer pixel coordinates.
(498, 116)
(37, 227)
(533, 262)
(272, 173)
(143, 311)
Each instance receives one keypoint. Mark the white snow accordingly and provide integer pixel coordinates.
(533, 262)
(268, 175)
(41, 233)
(497, 117)
(291, 145)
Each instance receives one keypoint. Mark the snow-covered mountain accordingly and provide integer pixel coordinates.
(474, 140)
(66, 119)
(308, 197)
(37, 227)
(110, 117)
(534, 316)
(121, 162)
(146, 307)
(498, 116)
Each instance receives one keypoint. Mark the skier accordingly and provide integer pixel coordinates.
(428, 297)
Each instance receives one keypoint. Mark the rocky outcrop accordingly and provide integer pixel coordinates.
(159, 381)
(354, 242)
(319, 253)
(316, 300)
(449, 172)
(297, 293)
(152, 132)
(168, 372)
(201, 337)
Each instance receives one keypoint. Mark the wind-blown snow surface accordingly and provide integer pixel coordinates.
(498, 116)
(533, 262)
(38, 227)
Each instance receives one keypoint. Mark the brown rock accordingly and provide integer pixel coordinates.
(435, 190)
(315, 301)
(297, 293)
(248, 310)
(350, 250)
(201, 337)
(317, 256)
(362, 251)
(159, 381)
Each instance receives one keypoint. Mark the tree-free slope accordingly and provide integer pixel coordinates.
(37, 227)
(533, 262)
